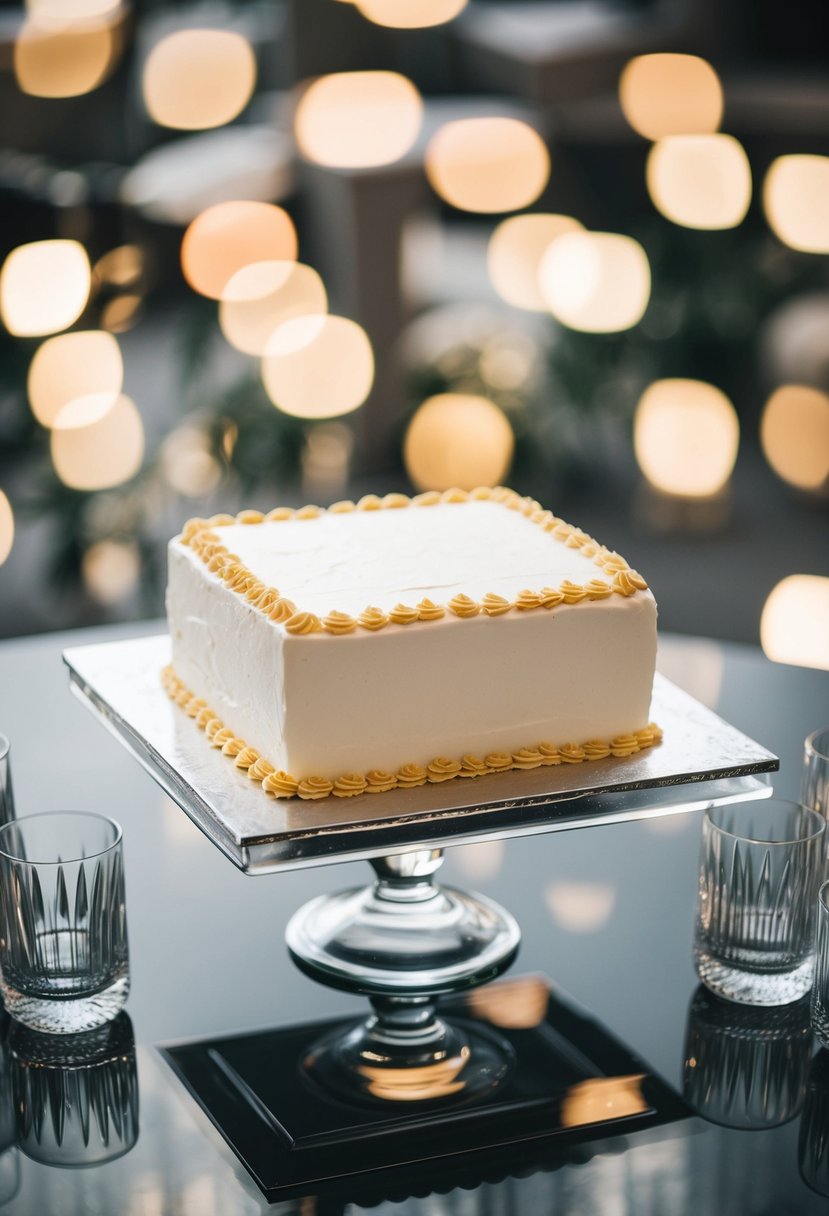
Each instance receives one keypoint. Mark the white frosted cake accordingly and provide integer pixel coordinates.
(396, 641)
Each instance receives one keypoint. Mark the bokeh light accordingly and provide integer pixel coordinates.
(326, 458)
(73, 366)
(263, 295)
(668, 94)
(793, 627)
(228, 236)
(110, 570)
(195, 79)
(188, 463)
(795, 435)
(61, 58)
(700, 181)
(105, 453)
(69, 12)
(796, 201)
(514, 256)
(325, 367)
(6, 527)
(458, 439)
(580, 907)
(410, 14)
(686, 435)
(122, 266)
(356, 120)
(487, 164)
(598, 282)
(44, 287)
(122, 313)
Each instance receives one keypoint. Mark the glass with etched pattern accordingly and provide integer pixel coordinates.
(760, 868)
(820, 991)
(6, 796)
(63, 929)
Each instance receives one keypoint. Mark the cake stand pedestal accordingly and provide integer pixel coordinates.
(304, 1107)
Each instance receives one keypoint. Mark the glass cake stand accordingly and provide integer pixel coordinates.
(404, 942)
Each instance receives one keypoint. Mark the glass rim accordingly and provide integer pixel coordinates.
(813, 817)
(5, 745)
(62, 861)
(810, 745)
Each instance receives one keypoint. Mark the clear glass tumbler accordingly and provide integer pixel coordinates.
(6, 796)
(63, 926)
(814, 786)
(760, 868)
(820, 991)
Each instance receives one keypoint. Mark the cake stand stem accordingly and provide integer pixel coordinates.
(403, 942)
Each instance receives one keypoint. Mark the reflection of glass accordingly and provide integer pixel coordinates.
(63, 932)
(759, 873)
(75, 1096)
(813, 1144)
(6, 796)
(814, 786)
(820, 990)
(746, 1067)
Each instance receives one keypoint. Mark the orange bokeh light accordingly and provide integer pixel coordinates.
(795, 435)
(6, 527)
(357, 120)
(324, 367)
(700, 181)
(686, 435)
(106, 452)
(228, 236)
(793, 624)
(796, 201)
(262, 296)
(596, 282)
(487, 164)
(410, 14)
(44, 287)
(72, 366)
(667, 94)
(514, 255)
(458, 439)
(195, 79)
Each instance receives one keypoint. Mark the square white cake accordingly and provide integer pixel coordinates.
(394, 641)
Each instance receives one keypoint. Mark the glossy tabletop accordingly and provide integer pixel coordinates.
(607, 913)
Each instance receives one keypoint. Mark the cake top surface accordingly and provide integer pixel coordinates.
(371, 564)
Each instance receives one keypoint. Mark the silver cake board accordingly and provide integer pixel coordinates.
(702, 761)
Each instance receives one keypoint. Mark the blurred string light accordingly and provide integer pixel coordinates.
(198, 78)
(410, 14)
(44, 287)
(668, 94)
(263, 295)
(110, 570)
(458, 439)
(793, 626)
(686, 435)
(119, 267)
(323, 366)
(487, 164)
(796, 201)
(357, 120)
(188, 464)
(105, 453)
(85, 366)
(228, 236)
(580, 907)
(67, 49)
(6, 527)
(700, 181)
(122, 313)
(597, 282)
(794, 433)
(514, 255)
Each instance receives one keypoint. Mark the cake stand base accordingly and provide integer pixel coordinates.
(569, 1082)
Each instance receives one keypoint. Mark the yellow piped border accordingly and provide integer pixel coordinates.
(198, 534)
(280, 784)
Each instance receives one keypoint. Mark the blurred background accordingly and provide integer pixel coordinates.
(288, 251)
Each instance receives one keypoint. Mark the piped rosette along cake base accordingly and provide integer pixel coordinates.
(278, 784)
(373, 637)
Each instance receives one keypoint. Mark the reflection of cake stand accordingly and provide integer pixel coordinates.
(403, 942)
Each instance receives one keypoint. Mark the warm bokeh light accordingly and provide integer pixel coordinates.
(600, 1099)
(195, 79)
(105, 453)
(6, 527)
(580, 907)
(796, 201)
(110, 570)
(120, 267)
(325, 367)
(122, 313)
(410, 14)
(188, 464)
(794, 627)
(700, 181)
(487, 164)
(671, 95)
(686, 435)
(598, 282)
(355, 120)
(514, 255)
(228, 236)
(73, 366)
(262, 296)
(44, 287)
(795, 435)
(481, 860)
(514, 1004)
(458, 439)
(60, 59)
(67, 12)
